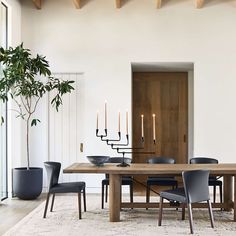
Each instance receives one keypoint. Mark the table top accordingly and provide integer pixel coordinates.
(143, 168)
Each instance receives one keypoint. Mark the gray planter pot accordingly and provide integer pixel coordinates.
(27, 184)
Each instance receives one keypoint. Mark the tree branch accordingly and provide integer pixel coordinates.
(35, 106)
(24, 104)
(20, 113)
(19, 105)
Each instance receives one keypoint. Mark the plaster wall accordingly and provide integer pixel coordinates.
(101, 42)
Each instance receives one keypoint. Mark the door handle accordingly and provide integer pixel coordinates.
(184, 138)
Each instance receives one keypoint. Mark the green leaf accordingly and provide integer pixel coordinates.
(2, 120)
(22, 116)
(22, 81)
(34, 122)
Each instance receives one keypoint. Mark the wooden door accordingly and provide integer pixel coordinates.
(164, 94)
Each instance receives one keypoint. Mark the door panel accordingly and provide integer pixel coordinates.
(66, 130)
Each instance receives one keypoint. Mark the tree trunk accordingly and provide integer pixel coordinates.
(27, 142)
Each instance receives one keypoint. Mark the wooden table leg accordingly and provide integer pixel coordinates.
(235, 198)
(114, 197)
(228, 192)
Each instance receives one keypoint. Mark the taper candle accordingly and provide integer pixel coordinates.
(127, 128)
(97, 118)
(105, 114)
(154, 126)
(119, 121)
(142, 129)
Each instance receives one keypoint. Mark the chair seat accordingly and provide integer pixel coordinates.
(72, 187)
(162, 181)
(174, 195)
(124, 181)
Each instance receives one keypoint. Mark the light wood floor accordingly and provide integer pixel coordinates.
(13, 210)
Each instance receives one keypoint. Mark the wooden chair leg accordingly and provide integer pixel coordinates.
(183, 211)
(210, 213)
(120, 195)
(160, 211)
(176, 186)
(147, 194)
(131, 194)
(102, 196)
(190, 217)
(46, 206)
(106, 193)
(84, 195)
(53, 197)
(79, 205)
(214, 194)
(221, 196)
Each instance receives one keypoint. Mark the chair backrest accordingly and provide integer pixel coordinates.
(53, 171)
(119, 160)
(196, 185)
(203, 160)
(161, 160)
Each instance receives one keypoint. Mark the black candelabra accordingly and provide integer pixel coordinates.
(122, 148)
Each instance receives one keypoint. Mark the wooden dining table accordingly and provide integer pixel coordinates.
(227, 171)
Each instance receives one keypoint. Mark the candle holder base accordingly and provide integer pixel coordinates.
(123, 164)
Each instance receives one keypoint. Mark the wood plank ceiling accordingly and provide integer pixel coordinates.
(118, 3)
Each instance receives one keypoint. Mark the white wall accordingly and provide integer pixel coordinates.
(102, 41)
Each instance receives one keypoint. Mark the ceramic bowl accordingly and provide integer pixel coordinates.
(98, 160)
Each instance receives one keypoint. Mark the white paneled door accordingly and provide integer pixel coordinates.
(66, 134)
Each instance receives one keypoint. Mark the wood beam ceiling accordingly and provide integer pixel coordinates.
(118, 3)
(38, 4)
(158, 4)
(77, 4)
(199, 3)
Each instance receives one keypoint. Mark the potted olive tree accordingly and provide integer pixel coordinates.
(25, 80)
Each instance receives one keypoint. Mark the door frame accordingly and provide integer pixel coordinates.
(4, 5)
(171, 67)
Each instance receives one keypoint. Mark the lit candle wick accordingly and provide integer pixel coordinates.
(105, 114)
(97, 118)
(154, 126)
(127, 128)
(142, 128)
(119, 121)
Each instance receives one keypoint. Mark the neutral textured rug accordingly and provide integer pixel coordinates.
(137, 222)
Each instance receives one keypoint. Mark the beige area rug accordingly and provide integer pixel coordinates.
(137, 222)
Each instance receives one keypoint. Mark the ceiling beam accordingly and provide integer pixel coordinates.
(199, 3)
(38, 4)
(77, 4)
(118, 3)
(158, 4)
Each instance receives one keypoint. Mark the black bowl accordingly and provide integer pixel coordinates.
(98, 160)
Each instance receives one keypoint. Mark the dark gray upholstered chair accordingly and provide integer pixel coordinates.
(53, 172)
(159, 180)
(195, 190)
(213, 180)
(126, 180)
